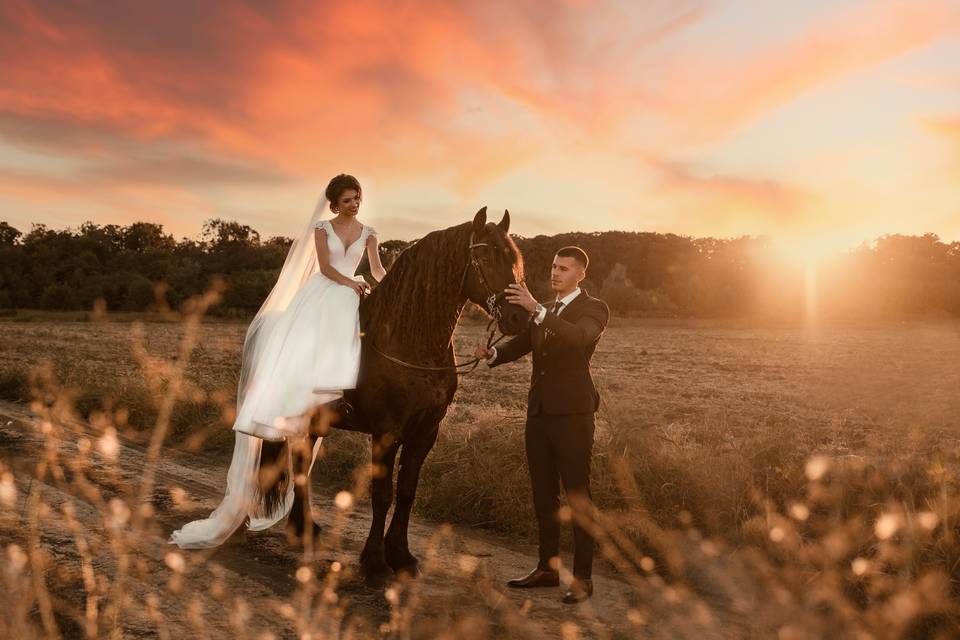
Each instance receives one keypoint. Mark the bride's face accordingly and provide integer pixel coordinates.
(348, 203)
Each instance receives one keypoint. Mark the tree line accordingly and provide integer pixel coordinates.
(637, 273)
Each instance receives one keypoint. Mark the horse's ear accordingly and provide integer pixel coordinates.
(479, 221)
(504, 223)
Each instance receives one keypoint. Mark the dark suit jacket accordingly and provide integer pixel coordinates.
(562, 346)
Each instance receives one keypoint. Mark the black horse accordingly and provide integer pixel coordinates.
(407, 375)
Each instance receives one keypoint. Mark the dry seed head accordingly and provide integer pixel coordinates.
(799, 511)
(304, 574)
(928, 520)
(887, 525)
(467, 564)
(392, 596)
(859, 566)
(8, 490)
(18, 558)
(119, 512)
(108, 445)
(175, 560)
(343, 500)
(817, 467)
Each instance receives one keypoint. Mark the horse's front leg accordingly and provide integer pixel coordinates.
(372, 560)
(411, 461)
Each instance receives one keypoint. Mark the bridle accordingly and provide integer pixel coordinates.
(493, 297)
(492, 304)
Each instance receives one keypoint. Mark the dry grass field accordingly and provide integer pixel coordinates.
(733, 406)
(823, 458)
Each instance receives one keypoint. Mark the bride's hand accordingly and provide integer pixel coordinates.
(360, 288)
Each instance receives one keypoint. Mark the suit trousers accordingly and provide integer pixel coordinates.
(559, 448)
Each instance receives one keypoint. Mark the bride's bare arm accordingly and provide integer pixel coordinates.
(373, 255)
(323, 259)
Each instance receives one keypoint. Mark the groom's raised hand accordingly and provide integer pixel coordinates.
(518, 294)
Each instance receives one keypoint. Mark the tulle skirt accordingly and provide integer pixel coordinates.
(310, 354)
(303, 356)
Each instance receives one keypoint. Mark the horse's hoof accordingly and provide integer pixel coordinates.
(295, 534)
(377, 577)
(409, 572)
(406, 565)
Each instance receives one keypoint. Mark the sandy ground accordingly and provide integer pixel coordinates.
(250, 586)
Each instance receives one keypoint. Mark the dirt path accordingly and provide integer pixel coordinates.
(252, 584)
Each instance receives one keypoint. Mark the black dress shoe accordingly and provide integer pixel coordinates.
(579, 591)
(536, 578)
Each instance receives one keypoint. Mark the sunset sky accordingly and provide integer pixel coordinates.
(822, 123)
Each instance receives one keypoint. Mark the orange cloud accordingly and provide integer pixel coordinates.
(730, 204)
(948, 126)
(710, 97)
(293, 82)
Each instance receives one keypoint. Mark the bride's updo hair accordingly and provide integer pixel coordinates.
(339, 184)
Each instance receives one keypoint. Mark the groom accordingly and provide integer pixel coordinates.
(561, 406)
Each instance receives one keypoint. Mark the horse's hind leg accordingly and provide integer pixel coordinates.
(372, 560)
(412, 456)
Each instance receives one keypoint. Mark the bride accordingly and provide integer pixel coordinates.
(302, 349)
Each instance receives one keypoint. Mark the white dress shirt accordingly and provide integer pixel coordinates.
(565, 301)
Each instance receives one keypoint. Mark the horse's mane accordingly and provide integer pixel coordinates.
(414, 298)
(419, 297)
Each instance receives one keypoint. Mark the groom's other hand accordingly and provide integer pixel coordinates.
(483, 352)
(519, 294)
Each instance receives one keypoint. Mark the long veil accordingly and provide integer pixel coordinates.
(240, 499)
(300, 264)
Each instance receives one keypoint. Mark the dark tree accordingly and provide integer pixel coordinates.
(645, 274)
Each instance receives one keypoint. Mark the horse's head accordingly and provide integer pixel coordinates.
(496, 262)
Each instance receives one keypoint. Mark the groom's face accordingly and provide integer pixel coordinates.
(565, 274)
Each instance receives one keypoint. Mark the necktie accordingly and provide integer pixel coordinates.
(557, 306)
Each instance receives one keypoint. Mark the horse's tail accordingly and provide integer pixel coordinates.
(273, 477)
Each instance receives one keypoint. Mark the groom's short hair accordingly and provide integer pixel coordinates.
(577, 254)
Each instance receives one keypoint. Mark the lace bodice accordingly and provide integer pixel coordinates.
(345, 259)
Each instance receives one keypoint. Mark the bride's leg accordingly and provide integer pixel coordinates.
(276, 466)
(301, 512)
(318, 421)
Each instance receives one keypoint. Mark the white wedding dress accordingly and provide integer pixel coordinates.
(299, 353)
